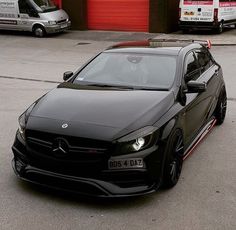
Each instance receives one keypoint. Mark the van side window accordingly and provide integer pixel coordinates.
(204, 60)
(24, 7)
(192, 69)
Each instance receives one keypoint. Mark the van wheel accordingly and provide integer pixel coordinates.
(39, 31)
(220, 28)
(185, 31)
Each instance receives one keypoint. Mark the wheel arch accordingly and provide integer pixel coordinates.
(37, 24)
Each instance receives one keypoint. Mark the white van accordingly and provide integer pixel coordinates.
(38, 16)
(207, 14)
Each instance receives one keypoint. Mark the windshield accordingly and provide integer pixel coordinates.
(198, 2)
(43, 6)
(130, 69)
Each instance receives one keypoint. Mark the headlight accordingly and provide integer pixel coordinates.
(22, 125)
(23, 120)
(137, 141)
(52, 23)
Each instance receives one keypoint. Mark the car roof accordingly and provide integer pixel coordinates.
(158, 46)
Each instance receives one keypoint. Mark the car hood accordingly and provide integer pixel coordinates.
(98, 113)
(56, 15)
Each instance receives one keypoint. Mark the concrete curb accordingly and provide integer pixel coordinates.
(227, 38)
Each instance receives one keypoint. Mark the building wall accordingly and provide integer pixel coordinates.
(77, 10)
(163, 16)
(58, 3)
(172, 15)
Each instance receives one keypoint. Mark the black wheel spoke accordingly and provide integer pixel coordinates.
(221, 107)
(173, 165)
(176, 163)
(173, 171)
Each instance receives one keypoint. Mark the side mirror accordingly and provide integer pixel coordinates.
(67, 75)
(195, 87)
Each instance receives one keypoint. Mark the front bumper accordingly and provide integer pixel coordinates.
(83, 186)
(50, 29)
(107, 183)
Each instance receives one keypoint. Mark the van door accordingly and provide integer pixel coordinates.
(8, 14)
(197, 11)
(27, 15)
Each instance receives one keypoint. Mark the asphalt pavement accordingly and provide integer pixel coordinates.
(204, 198)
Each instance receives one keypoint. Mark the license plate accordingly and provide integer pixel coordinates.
(126, 163)
(63, 26)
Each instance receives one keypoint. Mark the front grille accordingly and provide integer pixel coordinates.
(61, 21)
(38, 140)
(83, 157)
(48, 145)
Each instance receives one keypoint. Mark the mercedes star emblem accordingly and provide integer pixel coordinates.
(60, 147)
(64, 126)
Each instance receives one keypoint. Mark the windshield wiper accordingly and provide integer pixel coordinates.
(150, 89)
(111, 86)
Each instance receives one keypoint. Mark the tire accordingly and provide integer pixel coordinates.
(221, 107)
(174, 160)
(185, 31)
(39, 31)
(220, 28)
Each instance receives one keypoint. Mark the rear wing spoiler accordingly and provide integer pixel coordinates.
(154, 42)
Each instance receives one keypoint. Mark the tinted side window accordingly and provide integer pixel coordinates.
(24, 7)
(192, 69)
(204, 60)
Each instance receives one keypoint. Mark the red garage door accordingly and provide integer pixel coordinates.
(123, 15)
(58, 3)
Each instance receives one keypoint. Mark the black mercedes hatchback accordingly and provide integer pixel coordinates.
(123, 124)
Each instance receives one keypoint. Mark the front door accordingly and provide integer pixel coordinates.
(27, 15)
(197, 103)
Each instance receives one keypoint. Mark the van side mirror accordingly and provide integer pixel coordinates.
(67, 75)
(196, 87)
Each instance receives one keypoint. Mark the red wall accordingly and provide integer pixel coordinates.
(58, 3)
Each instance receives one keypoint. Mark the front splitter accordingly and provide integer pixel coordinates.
(83, 186)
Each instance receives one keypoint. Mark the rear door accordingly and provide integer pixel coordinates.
(197, 11)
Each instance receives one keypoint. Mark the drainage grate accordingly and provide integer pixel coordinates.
(83, 43)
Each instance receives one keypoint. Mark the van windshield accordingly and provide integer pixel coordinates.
(198, 0)
(43, 6)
